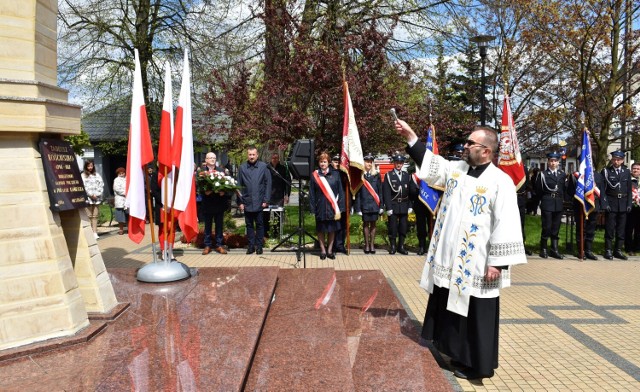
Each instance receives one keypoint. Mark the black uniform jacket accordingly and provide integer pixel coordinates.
(617, 188)
(396, 192)
(551, 190)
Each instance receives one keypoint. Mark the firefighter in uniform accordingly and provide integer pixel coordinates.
(395, 190)
(550, 187)
(617, 187)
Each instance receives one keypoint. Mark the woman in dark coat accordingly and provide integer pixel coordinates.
(367, 205)
(325, 184)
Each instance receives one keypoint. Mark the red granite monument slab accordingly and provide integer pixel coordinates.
(382, 338)
(303, 346)
(197, 334)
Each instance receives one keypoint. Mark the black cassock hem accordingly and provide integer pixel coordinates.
(471, 340)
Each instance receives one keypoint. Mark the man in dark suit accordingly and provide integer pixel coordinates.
(156, 195)
(550, 187)
(617, 186)
(395, 189)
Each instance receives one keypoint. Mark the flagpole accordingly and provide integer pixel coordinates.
(147, 183)
(433, 215)
(581, 227)
(166, 256)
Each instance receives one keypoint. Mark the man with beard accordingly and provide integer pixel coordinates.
(476, 239)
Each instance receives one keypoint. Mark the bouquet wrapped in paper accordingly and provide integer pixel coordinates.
(216, 181)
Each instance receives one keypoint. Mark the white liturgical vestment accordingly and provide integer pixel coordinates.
(478, 225)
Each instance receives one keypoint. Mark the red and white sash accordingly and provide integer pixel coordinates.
(328, 193)
(373, 193)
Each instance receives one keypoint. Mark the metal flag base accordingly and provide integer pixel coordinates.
(163, 272)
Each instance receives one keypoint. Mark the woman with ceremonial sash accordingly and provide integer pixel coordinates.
(326, 199)
(369, 203)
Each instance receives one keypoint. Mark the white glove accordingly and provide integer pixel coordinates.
(360, 213)
(410, 210)
(389, 212)
(381, 211)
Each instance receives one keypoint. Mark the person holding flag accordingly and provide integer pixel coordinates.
(584, 188)
(510, 161)
(471, 251)
(369, 203)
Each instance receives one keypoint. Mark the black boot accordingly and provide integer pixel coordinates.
(543, 249)
(619, 255)
(401, 248)
(588, 254)
(392, 249)
(554, 250)
(421, 244)
(607, 249)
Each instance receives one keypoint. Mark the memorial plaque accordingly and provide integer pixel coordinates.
(65, 186)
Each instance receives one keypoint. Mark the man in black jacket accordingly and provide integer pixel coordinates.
(254, 181)
(395, 189)
(617, 186)
(280, 188)
(550, 187)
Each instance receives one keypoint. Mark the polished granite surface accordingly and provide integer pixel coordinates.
(246, 328)
(303, 345)
(197, 334)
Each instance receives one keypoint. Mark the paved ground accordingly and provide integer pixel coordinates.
(565, 325)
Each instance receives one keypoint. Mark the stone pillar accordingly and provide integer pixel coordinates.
(51, 271)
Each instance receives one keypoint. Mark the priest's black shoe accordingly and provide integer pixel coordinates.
(250, 250)
(608, 255)
(468, 374)
(619, 255)
(589, 255)
(528, 252)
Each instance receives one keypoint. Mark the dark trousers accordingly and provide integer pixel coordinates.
(255, 228)
(550, 225)
(211, 218)
(422, 220)
(614, 229)
(341, 233)
(522, 209)
(632, 231)
(397, 225)
(588, 226)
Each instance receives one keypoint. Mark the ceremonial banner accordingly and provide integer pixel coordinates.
(430, 196)
(351, 159)
(185, 200)
(585, 186)
(510, 160)
(139, 155)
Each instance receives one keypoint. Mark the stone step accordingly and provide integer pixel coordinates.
(303, 346)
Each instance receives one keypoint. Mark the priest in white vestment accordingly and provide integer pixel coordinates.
(476, 239)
